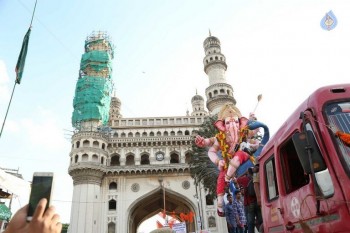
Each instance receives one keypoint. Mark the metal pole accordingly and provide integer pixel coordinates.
(166, 217)
(8, 107)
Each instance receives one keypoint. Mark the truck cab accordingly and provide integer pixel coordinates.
(305, 167)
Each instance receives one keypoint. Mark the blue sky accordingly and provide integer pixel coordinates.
(274, 48)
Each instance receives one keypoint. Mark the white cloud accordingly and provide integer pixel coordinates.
(44, 130)
(4, 81)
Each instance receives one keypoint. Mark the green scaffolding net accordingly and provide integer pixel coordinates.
(92, 100)
(94, 86)
(102, 42)
(97, 60)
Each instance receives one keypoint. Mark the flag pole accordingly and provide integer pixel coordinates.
(20, 64)
(31, 21)
(8, 107)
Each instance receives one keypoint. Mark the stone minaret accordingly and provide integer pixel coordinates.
(89, 144)
(114, 112)
(219, 91)
(198, 106)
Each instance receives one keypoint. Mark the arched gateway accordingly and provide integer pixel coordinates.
(153, 202)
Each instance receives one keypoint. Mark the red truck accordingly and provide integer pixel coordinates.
(305, 167)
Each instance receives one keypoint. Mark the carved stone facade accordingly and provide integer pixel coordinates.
(139, 166)
(122, 168)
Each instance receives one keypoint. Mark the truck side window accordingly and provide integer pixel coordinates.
(338, 116)
(271, 182)
(294, 176)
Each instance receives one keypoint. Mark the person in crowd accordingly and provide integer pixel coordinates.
(250, 201)
(245, 209)
(44, 221)
(256, 182)
(238, 209)
(229, 214)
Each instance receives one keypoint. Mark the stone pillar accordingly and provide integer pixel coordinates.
(86, 202)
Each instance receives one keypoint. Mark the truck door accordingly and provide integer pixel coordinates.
(272, 220)
(296, 197)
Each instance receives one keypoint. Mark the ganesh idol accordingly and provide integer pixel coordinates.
(226, 147)
(230, 124)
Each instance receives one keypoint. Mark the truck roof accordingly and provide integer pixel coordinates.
(315, 102)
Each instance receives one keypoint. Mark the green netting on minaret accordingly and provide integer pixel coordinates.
(94, 87)
(92, 100)
(97, 60)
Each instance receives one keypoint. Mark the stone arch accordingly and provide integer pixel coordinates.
(94, 158)
(151, 203)
(174, 158)
(211, 221)
(85, 157)
(113, 186)
(130, 159)
(115, 160)
(86, 143)
(95, 144)
(144, 159)
(187, 157)
(111, 227)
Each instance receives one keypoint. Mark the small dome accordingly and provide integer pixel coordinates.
(196, 98)
(211, 41)
(115, 99)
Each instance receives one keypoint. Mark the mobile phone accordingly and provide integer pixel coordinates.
(41, 188)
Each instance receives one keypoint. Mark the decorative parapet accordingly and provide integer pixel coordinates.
(151, 139)
(90, 134)
(157, 122)
(92, 172)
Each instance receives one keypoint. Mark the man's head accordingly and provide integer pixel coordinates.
(253, 170)
(238, 194)
(229, 198)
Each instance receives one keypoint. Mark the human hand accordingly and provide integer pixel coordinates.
(18, 222)
(42, 221)
(199, 141)
(45, 221)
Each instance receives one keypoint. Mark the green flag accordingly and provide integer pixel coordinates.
(22, 57)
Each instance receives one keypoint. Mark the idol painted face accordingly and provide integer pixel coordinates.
(231, 123)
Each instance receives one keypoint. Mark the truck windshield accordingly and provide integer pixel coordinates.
(338, 115)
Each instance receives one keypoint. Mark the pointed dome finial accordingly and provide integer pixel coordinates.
(196, 92)
(209, 33)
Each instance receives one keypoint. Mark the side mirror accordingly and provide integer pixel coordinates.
(300, 144)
